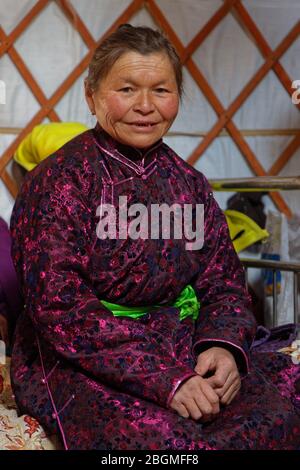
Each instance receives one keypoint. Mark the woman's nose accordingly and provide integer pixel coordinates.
(144, 103)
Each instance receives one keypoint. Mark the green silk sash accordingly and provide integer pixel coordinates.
(187, 303)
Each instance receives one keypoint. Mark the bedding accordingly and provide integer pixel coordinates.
(19, 432)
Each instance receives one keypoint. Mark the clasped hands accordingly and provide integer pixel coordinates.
(218, 381)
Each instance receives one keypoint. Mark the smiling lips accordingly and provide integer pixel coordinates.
(142, 124)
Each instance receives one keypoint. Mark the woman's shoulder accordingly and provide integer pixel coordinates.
(70, 163)
(68, 158)
(71, 155)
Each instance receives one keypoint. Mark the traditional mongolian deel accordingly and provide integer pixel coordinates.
(105, 382)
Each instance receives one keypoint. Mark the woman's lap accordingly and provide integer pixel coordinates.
(262, 416)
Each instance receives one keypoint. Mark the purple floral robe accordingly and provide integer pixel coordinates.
(10, 296)
(105, 382)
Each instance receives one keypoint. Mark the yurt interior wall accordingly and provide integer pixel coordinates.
(237, 117)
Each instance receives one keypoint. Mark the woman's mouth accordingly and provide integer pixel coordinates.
(143, 126)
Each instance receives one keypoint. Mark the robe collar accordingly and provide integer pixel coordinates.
(138, 156)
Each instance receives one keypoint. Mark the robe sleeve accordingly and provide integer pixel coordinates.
(53, 238)
(10, 298)
(225, 318)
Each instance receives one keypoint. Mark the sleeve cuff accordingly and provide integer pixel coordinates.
(239, 354)
(177, 385)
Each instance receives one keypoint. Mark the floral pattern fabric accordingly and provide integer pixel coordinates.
(105, 382)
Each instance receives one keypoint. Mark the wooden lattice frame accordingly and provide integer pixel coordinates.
(235, 7)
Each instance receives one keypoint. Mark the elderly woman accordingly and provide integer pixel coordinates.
(112, 350)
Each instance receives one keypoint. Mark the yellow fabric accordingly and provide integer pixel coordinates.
(44, 140)
(243, 230)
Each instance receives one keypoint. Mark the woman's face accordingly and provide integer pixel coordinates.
(138, 100)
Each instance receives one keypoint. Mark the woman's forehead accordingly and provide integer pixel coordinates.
(132, 64)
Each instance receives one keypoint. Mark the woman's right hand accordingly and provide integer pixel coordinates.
(196, 399)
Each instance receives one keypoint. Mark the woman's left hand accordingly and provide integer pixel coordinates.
(225, 378)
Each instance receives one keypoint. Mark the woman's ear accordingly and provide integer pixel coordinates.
(89, 97)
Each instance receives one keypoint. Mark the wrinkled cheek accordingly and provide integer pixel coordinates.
(115, 109)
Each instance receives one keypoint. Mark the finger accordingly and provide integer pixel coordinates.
(193, 409)
(234, 394)
(211, 396)
(232, 377)
(203, 365)
(179, 407)
(181, 410)
(231, 392)
(222, 375)
(218, 390)
(217, 382)
(204, 405)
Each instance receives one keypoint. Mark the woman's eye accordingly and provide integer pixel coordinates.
(161, 90)
(126, 89)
